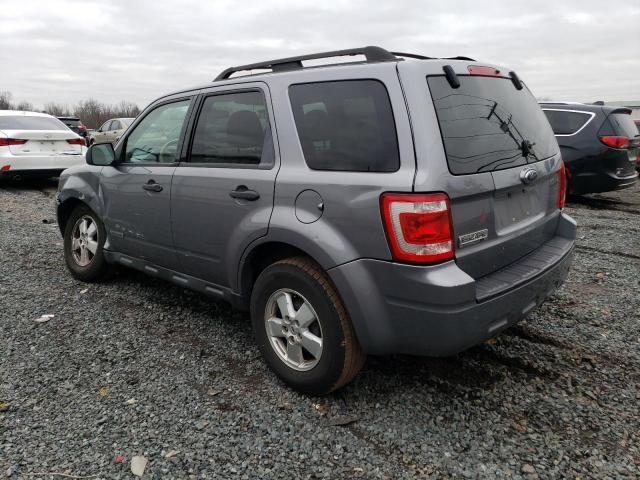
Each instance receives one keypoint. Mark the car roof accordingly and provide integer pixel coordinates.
(5, 113)
(68, 118)
(373, 55)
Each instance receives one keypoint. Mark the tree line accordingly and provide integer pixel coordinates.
(91, 112)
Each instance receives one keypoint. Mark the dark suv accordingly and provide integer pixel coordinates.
(396, 204)
(75, 124)
(599, 145)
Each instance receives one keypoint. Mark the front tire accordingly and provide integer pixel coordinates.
(84, 237)
(302, 327)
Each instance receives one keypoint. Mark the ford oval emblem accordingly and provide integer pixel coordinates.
(528, 175)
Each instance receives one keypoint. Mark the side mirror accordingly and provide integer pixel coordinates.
(101, 154)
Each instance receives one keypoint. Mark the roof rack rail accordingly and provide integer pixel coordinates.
(371, 53)
(460, 57)
(412, 55)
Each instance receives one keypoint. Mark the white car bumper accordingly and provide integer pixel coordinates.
(24, 163)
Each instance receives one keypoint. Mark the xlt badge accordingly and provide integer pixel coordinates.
(473, 237)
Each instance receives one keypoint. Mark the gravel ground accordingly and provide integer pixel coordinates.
(137, 367)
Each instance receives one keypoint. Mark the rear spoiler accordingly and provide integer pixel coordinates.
(626, 110)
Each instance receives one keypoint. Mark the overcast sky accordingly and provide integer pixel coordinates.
(112, 50)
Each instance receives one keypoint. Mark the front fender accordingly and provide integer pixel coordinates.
(79, 186)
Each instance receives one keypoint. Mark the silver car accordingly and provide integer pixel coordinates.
(110, 131)
(397, 204)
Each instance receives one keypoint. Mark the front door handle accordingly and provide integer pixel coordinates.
(152, 186)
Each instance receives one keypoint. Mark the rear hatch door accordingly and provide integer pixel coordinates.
(501, 163)
(620, 124)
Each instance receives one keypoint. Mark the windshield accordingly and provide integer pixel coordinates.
(23, 122)
(487, 124)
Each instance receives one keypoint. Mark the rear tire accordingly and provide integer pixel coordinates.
(84, 237)
(302, 327)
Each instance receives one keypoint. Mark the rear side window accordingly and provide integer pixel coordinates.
(487, 124)
(26, 122)
(233, 128)
(346, 126)
(565, 122)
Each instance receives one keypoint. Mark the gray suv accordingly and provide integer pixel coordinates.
(392, 204)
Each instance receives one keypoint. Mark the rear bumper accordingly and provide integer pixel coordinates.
(603, 181)
(44, 163)
(440, 310)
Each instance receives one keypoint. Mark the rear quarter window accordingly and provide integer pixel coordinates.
(565, 122)
(346, 126)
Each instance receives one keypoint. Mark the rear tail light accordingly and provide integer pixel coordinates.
(418, 227)
(5, 168)
(6, 142)
(562, 186)
(76, 141)
(615, 141)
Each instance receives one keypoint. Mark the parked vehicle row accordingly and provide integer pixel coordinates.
(399, 204)
(34, 143)
(600, 145)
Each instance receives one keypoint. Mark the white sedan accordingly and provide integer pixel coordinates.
(34, 143)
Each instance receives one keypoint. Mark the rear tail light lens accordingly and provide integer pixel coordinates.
(562, 186)
(418, 227)
(76, 141)
(6, 142)
(615, 141)
(5, 168)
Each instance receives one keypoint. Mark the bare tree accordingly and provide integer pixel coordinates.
(92, 112)
(25, 106)
(5, 101)
(127, 109)
(57, 109)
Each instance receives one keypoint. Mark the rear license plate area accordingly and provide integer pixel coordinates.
(517, 207)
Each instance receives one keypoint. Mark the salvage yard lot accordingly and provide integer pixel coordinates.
(135, 366)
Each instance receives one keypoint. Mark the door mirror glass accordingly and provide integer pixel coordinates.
(101, 154)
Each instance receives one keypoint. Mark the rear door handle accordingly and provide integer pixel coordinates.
(152, 186)
(243, 193)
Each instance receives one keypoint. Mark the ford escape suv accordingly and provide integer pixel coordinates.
(392, 204)
(600, 145)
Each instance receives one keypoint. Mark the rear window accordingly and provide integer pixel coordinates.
(487, 124)
(20, 122)
(567, 123)
(346, 126)
(70, 122)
